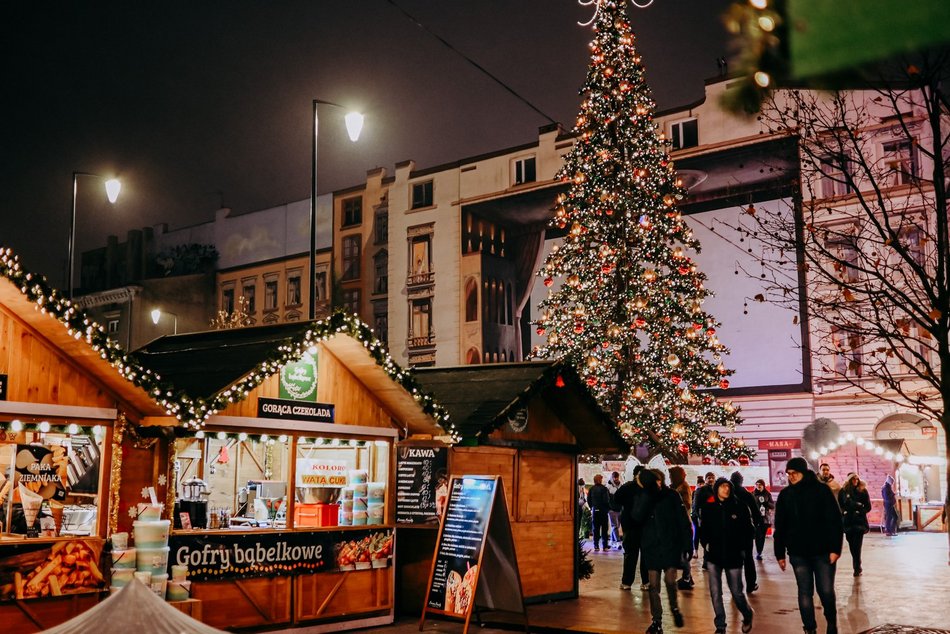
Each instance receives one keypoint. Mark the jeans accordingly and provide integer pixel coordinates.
(751, 575)
(760, 532)
(855, 540)
(891, 520)
(811, 572)
(615, 531)
(631, 552)
(598, 519)
(734, 581)
(669, 578)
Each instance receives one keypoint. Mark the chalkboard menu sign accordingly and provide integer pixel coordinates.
(422, 486)
(474, 562)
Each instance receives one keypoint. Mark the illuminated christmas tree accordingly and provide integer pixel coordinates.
(628, 312)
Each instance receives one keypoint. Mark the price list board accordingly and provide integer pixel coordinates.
(421, 483)
(458, 553)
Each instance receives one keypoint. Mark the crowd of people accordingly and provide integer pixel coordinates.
(662, 526)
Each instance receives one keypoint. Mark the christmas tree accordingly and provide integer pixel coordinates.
(629, 311)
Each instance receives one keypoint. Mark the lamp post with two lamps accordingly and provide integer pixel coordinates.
(354, 124)
(112, 192)
(157, 315)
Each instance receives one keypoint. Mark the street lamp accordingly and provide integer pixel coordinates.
(354, 124)
(157, 314)
(112, 192)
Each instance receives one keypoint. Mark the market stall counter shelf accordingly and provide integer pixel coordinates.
(252, 573)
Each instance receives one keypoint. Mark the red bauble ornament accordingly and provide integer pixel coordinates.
(743, 460)
(639, 322)
(548, 281)
(684, 448)
(676, 379)
(724, 384)
(683, 270)
(540, 331)
(592, 381)
(707, 460)
(710, 331)
(578, 329)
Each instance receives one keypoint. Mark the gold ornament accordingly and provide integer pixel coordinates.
(115, 472)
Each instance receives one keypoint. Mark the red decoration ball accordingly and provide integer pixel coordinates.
(548, 281)
(676, 379)
(707, 460)
(743, 460)
(684, 448)
(540, 331)
(724, 384)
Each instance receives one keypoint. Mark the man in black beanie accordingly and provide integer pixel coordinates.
(807, 525)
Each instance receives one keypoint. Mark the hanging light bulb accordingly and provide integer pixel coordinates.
(16, 425)
(73, 429)
(44, 427)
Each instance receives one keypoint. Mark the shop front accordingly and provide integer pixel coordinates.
(64, 395)
(281, 513)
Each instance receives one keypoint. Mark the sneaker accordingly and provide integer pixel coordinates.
(754, 587)
(625, 586)
(597, 548)
(678, 618)
(857, 573)
(655, 628)
(747, 623)
(645, 587)
(685, 584)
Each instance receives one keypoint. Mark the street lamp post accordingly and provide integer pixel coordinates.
(112, 192)
(354, 124)
(157, 315)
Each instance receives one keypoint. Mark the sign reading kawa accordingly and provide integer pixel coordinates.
(294, 410)
(421, 483)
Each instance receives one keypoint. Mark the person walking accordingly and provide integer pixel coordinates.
(582, 509)
(807, 529)
(614, 514)
(679, 485)
(745, 498)
(627, 496)
(826, 476)
(726, 535)
(700, 482)
(891, 519)
(700, 495)
(855, 504)
(666, 536)
(764, 505)
(598, 498)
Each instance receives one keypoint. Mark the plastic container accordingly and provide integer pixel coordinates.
(124, 558)
(376, 491)
(346, 493)
(122, 576)
(120, 541)
(153, 560)
(360, 504)
(358, 476)
(144, 576)
(179, 573)
(151, 534)
(360, 490)
(178, 591)
(346, 505)
(345, 518)
(159, 585)
(148, 512)
(359, 518)
(374, 514)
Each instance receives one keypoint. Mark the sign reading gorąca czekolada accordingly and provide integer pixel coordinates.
(294, 410)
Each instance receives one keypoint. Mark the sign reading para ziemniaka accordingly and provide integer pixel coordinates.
(211, 556)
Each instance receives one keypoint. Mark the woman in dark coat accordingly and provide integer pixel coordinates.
(891, 519)
(855, 503)
(667, 536)
(764, 504)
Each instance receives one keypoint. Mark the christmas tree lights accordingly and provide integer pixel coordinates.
(628, 312)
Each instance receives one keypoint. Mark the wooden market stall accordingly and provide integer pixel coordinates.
(66, 397)
(282, 500)
(525, 422)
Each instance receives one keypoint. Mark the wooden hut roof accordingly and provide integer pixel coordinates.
(479, 399)
(207, 365)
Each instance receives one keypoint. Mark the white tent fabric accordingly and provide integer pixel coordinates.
(134, 609)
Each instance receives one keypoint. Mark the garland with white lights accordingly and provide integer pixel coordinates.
(628, 313)
(193, 412)
(824, 450)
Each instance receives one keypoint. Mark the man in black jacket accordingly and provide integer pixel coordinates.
(599, 500)
(726, 534)
(746, 498)
(701, 495)
(807, 525)
(626, 496)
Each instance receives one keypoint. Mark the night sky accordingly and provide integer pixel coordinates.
(201, 104)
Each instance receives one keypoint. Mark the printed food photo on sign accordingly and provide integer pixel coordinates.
(44, 570)
(43, 470)
(460, 590)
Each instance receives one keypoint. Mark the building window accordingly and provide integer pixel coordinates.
(471, 300)
(351, 300)
(847, 349)
(293, 289)
(911, 237)
(248, 290)
(227, 300)
(270, 294)
(842, 247)
(112, 326)
(419, 257)
(351, 258)
(380, 273)
(900, 160)
(421, 195)
(524, 171)
(320, 285)
(684, 133)
(353, 211)
(381, 327)
(837, 175)
(381, 226)
(420, 326)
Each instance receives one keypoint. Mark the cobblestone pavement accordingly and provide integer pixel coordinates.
(905, 589)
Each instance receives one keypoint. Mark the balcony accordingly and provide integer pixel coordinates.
(423, 278)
